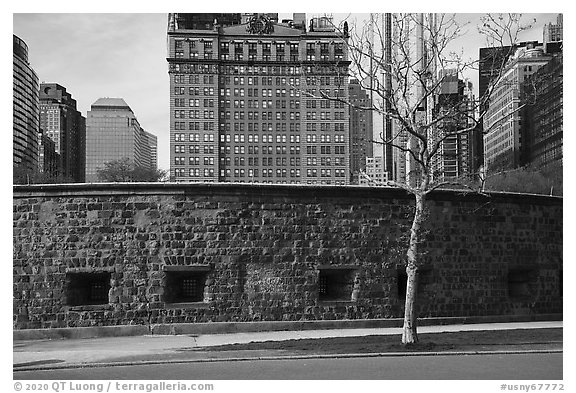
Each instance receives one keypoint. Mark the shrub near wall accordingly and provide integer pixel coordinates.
(122, 254)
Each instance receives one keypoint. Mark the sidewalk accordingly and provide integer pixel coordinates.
(36, 354)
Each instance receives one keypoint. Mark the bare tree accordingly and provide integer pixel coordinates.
(406, 80)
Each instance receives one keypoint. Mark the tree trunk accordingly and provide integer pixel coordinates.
(410, 334)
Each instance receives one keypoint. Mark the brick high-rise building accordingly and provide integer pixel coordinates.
(65, 125)
(244, 103)
(25, 115)
(113, 133)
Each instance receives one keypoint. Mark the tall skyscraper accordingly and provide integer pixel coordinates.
(113, 133)
(388, 151)
(379, 82)
(425, 64)
(26, 109)
(65, 125)
(454, 106)
(360, 129)
(502, 122)
(243, 99)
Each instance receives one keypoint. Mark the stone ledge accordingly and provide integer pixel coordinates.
(246, 327)
(261, 189)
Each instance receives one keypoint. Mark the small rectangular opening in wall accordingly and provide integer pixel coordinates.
(185, 286)
(520, 281)
(336, 284)
(87, 288)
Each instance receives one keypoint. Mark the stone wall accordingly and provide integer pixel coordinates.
(144, 254)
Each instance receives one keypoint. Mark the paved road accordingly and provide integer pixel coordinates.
(470, 367)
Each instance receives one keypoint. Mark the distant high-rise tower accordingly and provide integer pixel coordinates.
(26, 108)
(424, 65)
(360, 129)
(150, 148)
(454, 158)
(244, 103)
(65, 125)
(388, 154)
(114, 133)
(553, 32)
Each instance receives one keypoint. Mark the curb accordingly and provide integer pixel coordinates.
(264, 326)
(288, 357)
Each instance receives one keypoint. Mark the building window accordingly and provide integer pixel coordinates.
(87, 288)
(337, 283)
(185, 284)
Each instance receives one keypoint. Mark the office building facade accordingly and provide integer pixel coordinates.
(502, 121)
(244, 100)
(65, 125)
(25, 109)
(114, 133)
(454, 130)
(48, 158)
(542, 117)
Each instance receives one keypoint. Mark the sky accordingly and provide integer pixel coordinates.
(96, 55)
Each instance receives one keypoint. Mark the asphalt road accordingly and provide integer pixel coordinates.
(461, 367)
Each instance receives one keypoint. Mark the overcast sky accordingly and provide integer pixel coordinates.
(124, 55)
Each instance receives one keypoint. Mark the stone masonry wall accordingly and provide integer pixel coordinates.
(284, 253)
